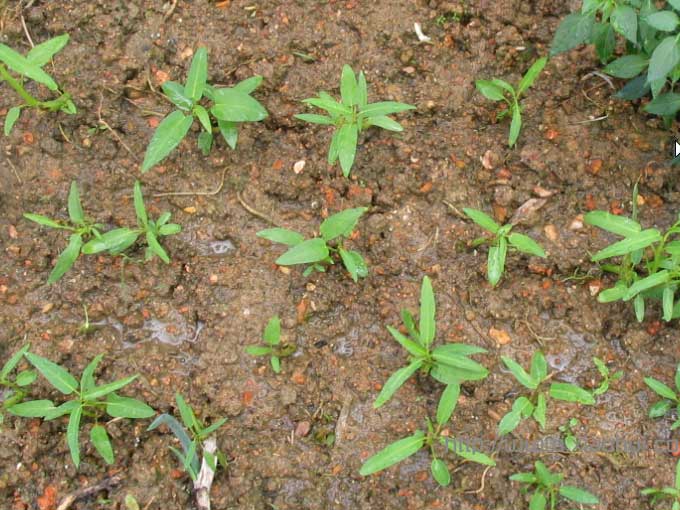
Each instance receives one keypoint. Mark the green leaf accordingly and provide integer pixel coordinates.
(203, 117)
(639, 307)
(410, 323)
(664, 104)
(509, 422)
(530, 77)
(281, 235)
(333, 149)
(175, 93)
(315, 119)
(447, 403)
(490, 90)
(628, 66)
(58, 376)
(75, 209)
(167, 136)
(62, 410)
(66, 259)
(276, 364)
(653, 280)
(13, 361)
(539, 367)
(205, 141)
(25, 378)
(43, 220)
(440, 472)
(113, 241)
(573, 31)
(394, 453)
(354, 263)
(126, 407)
(579, 495)
(666, 21)
(179, 432)
(198, 74)
(249, 84)
(156, 248)
(384, 108)
(395, 381)
(660, 389)
(258, 350)
(140, 209)
(347, 146)
(540, 410)
(307, 252)
(11, 118)
(624, 20)
(604, 39)
(348, 86)
(42, 53)
(341, 224)
(229, 131)
(87, 377)
(463, 450)
(448, 374)
(515, 125)
(664, 59)
(520, 374)
(101, 442)
(407, 343)
(677, 371)
(526, 244)
(272, 332)
(72, 432)
(619, 225)
(660, 408)
(571, 393)
(105, 389)
(630, 244)
(236, 106)
(427, 325)
(538, 501)
(460, 349)
(482, 219)
(18, 63)
(496, 261)
(523, 406)
(329, 104)
(186, 412)
(385, 122)
(441, 355)
(31, 408)
(614, 294)
(362, 91)
(523, 478)
(544, 476)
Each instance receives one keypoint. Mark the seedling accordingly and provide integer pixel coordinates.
(192, 437)
(547, 489)
(118, 240)
(231, 106)
(273, 348)
(670, 398)
(88, 400)
(448, 364)
(317, 252)
(672, 493)
(649, 263)
(13, 389)
(351, 116)
(500, 90)
(499, 244)
(535, 404)
(81, 227)
(431, 437)
(568, 435)
(607, 378)
(31, 67)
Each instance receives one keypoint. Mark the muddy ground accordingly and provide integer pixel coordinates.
(184, 326)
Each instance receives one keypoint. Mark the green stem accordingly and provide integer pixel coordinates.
(5, 75)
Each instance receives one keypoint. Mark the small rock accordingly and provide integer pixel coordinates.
(489, 160)
(288, 395)
(298, 377)
(500, 336)
(551, 232)
(299, 166)
(302, 429)
(576, 223)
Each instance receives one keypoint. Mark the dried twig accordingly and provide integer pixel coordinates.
(89, 491)
(254, 212)
(195, 193)
(14, 169)
(205, 477)
(28, 34)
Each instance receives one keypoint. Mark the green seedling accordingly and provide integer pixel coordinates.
(13, 389)
(449, 364)
(503, 240)
(536, 403)
(88, 400)
(230, 107)
(669, 396)
(351, 116)
(607, 377)
(500, 90)
(547, 489)
(31, 67)
(648, 262)
(118, 240)
(81, 229)
(273, 348)
(429, 439)
(568, 435)
(672, 493)
(317, 252)
(192, 437)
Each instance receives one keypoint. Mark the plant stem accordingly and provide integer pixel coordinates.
(18, 87)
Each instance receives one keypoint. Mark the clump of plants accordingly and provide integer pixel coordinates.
(568, 434)
(502, 241)
(88, 400)
(272, 345)
(318, 252)
(547, 489)
(13, 389)
(352, 115)
(230, 107)
(30, 67)
(669, 398)
(666, 493)
(646, 262)
(535, 405)
(500, 90)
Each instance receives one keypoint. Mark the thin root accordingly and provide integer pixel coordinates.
(481, 487)
(195, 193)
(89, 491)
(16, 174)
(254, 212)
(28, 34)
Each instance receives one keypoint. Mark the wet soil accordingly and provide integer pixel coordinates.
(184, 326)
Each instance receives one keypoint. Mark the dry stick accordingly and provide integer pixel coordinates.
(194, 193)
(89, 491)
(14, 169)
(28, 35)
(254, 212)
(481, 487)
(205, 476)
(106, 125)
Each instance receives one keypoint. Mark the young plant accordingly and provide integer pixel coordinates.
(672, 493)
(118, 240)
(31, 67)
(499, 244)
(670, 398)
(193, 437)
(13, 388)
(547, 489)
(500, 90)
(273, 348)
(351, 116)
(607, 377)
(230, 107)
(448, 364)
(317, 252)
(429, 439)
(88, 400)
(536, 403)
(568, 435)
(648, 262)
(81, 229)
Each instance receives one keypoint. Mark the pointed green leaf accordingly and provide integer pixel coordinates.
(175, 93)
(648, 282)
(249, 84)
(87, 377)
(383, 121)
(281, 235)
(496, 261)
(660, 389)
(579, 495)
(72, 433)
(341, 224)
(490, 90)
(32, 408)
(315, 119)
(156, 248)
(538, 501)
(126, 407)
(540, 410)
(11, 119)
(427, 325)
(307, 252)
(440, 472)
(394, 453)
(515, 125)
(520, 374)
(66, 259)
(354, 263)
(641, 240)
(258, 350)
(447, 403)
(407, 343)
(526, 244)
(347, 147)
(229, 131)
(66, 408)
(75, 209)
(664, 59)
(13, 361)
(395, 381)
(236, 106)
(18, 63)
(58, 376)
(625, 21)
(619, 225)
(482, 219)
(198, 74)
(539, 367)
(105, 389)
(348, 86)
(272, 332)
(466, 452)
(140, 209)
(42, 53)
(101, 442)
(571, 393)
(530, 77)
(43, 220)
(384, 108)
(167, 136)
(114, 241)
